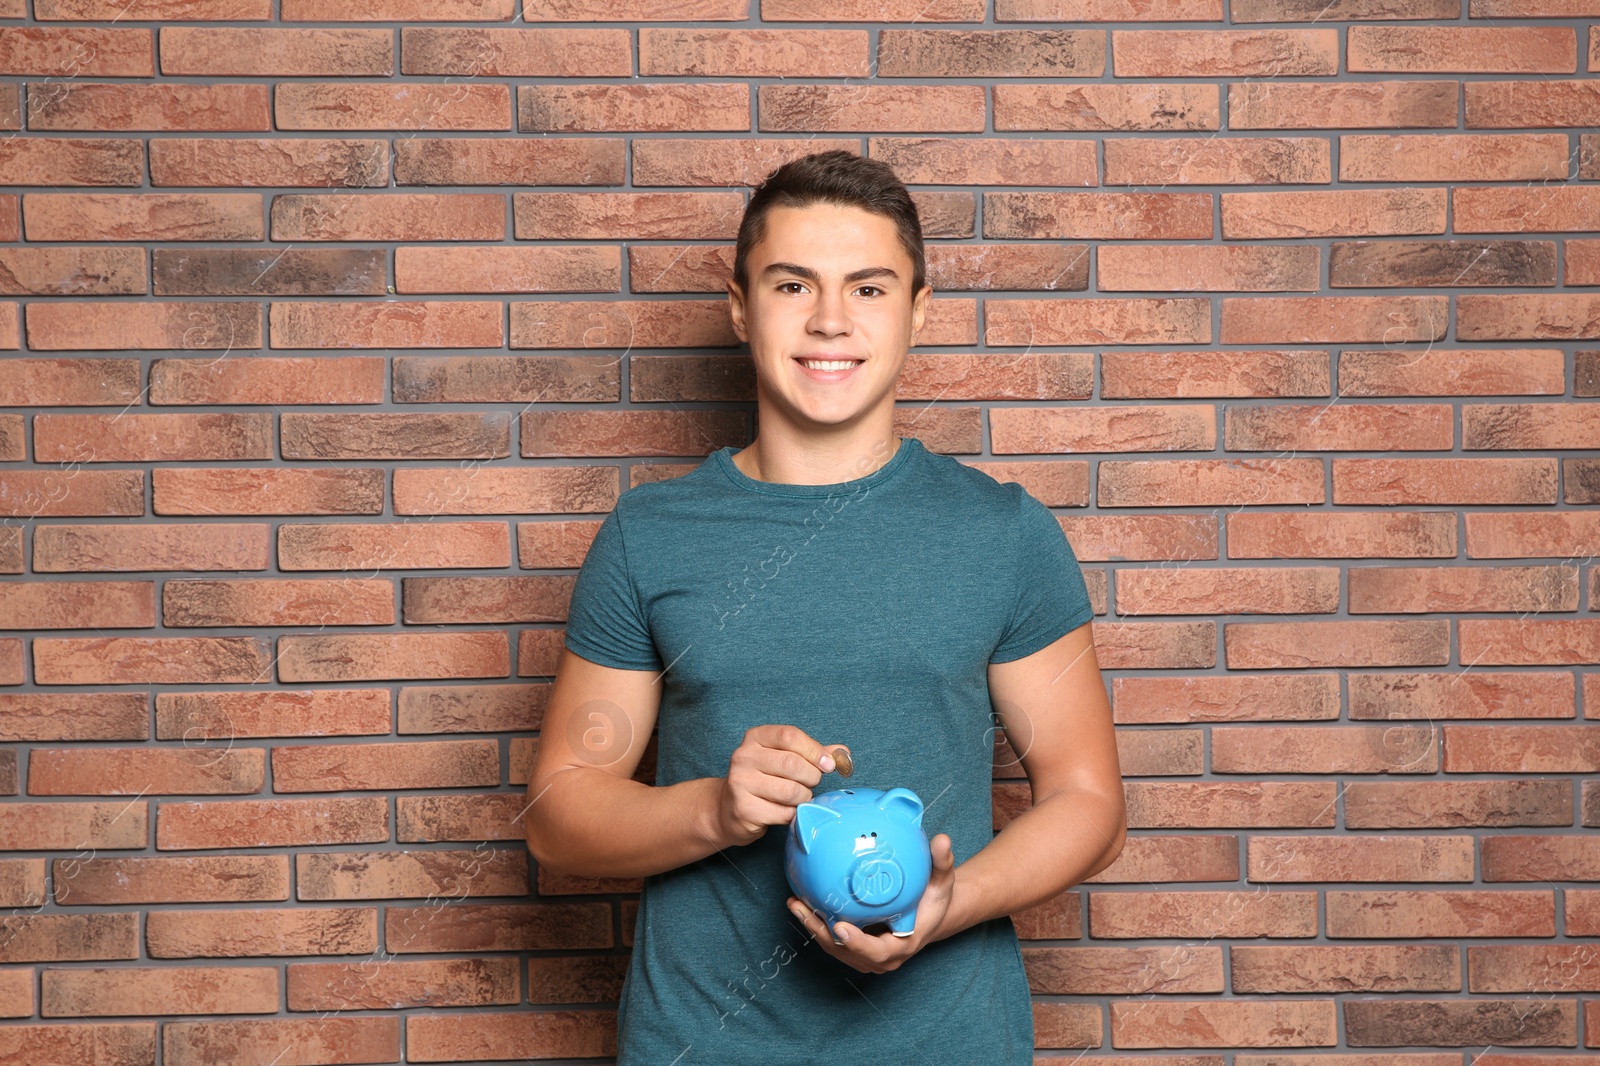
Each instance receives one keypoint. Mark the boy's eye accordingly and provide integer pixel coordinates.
(783, 286)
(870, 288)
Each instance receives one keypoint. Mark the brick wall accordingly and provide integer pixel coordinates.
(333, 328)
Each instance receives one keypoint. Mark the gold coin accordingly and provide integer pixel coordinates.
(841, 762)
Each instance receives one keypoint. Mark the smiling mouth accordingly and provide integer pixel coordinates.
(830, 365)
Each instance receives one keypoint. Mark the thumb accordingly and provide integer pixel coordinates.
(944, 856)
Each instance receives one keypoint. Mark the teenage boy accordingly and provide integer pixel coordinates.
(832, 585)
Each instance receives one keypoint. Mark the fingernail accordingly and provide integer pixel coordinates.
(841, 933)
(827, 764)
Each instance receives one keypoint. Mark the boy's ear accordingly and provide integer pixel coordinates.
(919, 307)
(736, 309)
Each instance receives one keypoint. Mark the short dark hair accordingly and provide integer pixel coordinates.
(835, 177)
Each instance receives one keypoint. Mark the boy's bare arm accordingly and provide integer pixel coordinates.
(587, 816)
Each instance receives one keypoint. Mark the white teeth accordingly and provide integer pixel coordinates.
(817, 364)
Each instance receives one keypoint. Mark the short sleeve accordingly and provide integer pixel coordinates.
(1051, 597)
(605, 622)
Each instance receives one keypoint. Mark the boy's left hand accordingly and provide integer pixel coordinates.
(884, 952)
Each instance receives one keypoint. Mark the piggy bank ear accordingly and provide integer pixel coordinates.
(809, 818)
(902, 803)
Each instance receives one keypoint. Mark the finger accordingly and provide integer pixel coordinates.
(813, 924)
(797, 740)
(944, 856)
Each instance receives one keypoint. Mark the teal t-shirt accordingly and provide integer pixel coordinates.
(865, 612)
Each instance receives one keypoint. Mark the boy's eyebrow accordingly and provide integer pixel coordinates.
(812, 276)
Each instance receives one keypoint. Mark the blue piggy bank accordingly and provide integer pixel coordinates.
(860, 855)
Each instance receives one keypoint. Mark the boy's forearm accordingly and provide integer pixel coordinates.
(1039, 854)
(586, 822)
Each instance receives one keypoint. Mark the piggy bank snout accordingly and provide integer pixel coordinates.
(876, 880)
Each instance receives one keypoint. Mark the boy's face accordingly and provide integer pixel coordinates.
(829, 283)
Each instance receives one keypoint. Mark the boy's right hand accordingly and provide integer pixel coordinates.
(771, 773)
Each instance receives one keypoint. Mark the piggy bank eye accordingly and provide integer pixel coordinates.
(874, 834)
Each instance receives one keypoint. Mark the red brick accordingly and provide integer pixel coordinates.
(280, 161)
(263, 271)
(171, 106)
(135, 438)
(1217, 161)
(1320, 749)
(1205, 373)
(747, 53)
(1455, 804)
(1245, 697)
(422, 874)
(399, 11)
(390, 657)
(1527, 104)
(1453, 157)
(74, 826)
(399, 984)
(278, 602)
(627, 215)
(579, 268)
(1532, 317)
(151, 546)
(1112, 970)
(1043, 430)
(144, 217)
(40, 604)
(1550, 207)
(1394, 590)
(505, 1035)
(629, 433)
(1092, 106)
(1209, 268)
(621, 324)
(1583, 263)
(1534, 642)
(258, 51)
(167, 324)
(1361, 858)
(392, 106)
(657, 107)
(1339, 427)
(480, 52)
(75, 52)
(282, 1041)
(66, 716)
(159, 990)
(1452, 914)
(1509, 857)
(1262, 105)
(1209, 482)
(1097, 216)
(984, 267)
(257, 490)
(202, 716)
(36, 493)
(1480, 694)
(396, 435)
(134, 771)
(509, 161)
(109, 10)
(268, 380)
(1273, 53)
(1325, 319)
(1094, 321)
(1108, 11)
(640, 11)
(111, 1043)
(387, 324)
(875, 108)
(1515, 535)
(239, 932)
(1310, 968)
(879, 11)
(1356, 213)
(1224, 1024)
(271, 823)
(1240, 11)
(151, 660)
(58, 161)
(1411, 264)
(1277, 645)
(953, 161)
(1530, 426)
(79, 382)
(172, 879)
(715, 161)
(991, 53)
(1282, 590)
(1440, 481)
(395, 545)
(1463, 49)
(389, 217)
(68, 271)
